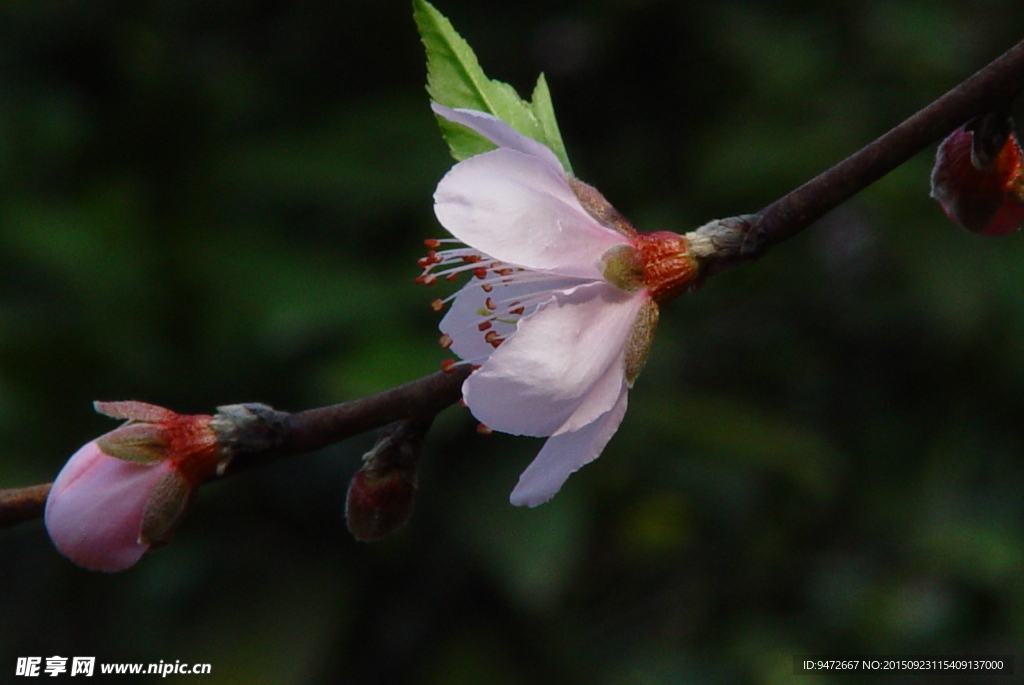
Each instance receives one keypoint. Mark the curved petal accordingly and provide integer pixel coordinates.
(518, 209)
(95, 509)
(564, 454)
(498, 132)
(564, 366)
(472, 303)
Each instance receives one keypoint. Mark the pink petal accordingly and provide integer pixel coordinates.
(564, 454)
(470, 305)
(518, 209)
(498, 132)
(564, 366)
(94, 511)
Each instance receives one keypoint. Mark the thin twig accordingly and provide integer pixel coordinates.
(313, 429)
(18, 505)
(297, 433)
(991, 88)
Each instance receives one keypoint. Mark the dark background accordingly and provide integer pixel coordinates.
(222, 201)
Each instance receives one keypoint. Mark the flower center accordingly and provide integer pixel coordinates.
(669, 267)
(660, 262)
(624, 267)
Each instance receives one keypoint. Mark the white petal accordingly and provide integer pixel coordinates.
(564, 454)
(470, 304)
(498, 132)
(564, 366)
(519, 210)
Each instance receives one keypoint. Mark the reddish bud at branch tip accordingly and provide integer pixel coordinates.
(984, 196)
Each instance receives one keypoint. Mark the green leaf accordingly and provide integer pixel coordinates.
(455, 79)
(544, 110)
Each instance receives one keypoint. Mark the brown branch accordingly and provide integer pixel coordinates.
(18, 505)
(275, 435)
(257, 435)
(992, 88)
(254, 435)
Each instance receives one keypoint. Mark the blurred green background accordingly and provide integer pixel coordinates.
(222, 201)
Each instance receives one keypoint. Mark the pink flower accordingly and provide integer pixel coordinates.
(559, 316)
(125, 492)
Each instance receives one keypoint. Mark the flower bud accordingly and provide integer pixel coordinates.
(382, 493)
(379, 502)
(125, 492)
(978, 178)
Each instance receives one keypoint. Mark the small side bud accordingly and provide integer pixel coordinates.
(382, 493)
(379, 503)
(978, 177)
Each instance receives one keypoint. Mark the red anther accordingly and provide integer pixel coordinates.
(493, 339)
(487, 287)
(517, 311)
(505, 272)
(451, 276)
(489, 303)
(448, 365)
(483, 430)
(472, 258)
(480, 272)
(437, 305)
(428, 279)
(474, 367)
(423, 262)
(446, 341)
(483, 325)
(432, 243)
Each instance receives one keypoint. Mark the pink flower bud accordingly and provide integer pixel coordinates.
(983, 193)
(95, 510)
(125, 492)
